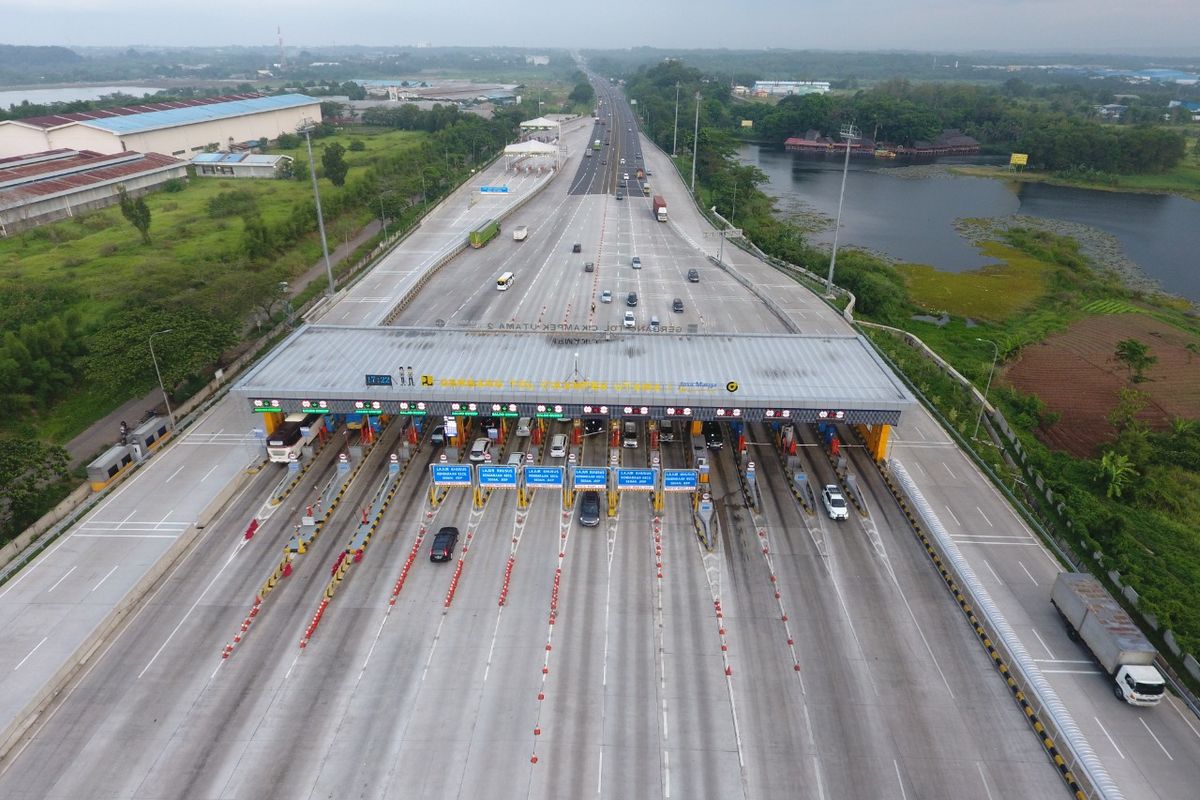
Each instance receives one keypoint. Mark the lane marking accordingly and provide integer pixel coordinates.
(43, 641)
(124, 535)
(952, 475)
(176, 472)
(600, 773)
(1027, 572)
(820, 783)
(994, 575)
(60, 580)
(106, 577)
(1073, 671)
(1045, 646)
(210, 472)
(1171, 702)
(983, 778)
(1155, 738)
(899, 780)
(1110, 739)
(985, 517)
(953, 516)
(666, 775)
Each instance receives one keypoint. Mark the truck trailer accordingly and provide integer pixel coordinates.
(484, 233)
(660, 208)
(1096, 619)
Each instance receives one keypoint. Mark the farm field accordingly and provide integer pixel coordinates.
(1076, 375)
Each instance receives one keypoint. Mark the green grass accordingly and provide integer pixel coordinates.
(1183, 179)
(102, 256)
(993, 293)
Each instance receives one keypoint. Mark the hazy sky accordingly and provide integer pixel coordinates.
(957, 25)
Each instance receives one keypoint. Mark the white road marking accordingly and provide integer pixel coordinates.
(600, 773)
(983, 778)
(1110, 739)
(994, 575)
(1044, 645)
(37, 562)
(210, 472)
(666, 775)
(106, 577)
(124, 536)
(176, 472)
(899, 780)
(820, 783)
(60, 580)
(1027, 572)
(952, 516)
(952, 475)
(1072, 672)
(1155, 738)
(1171, 703)
(35, 649)
(985, 518)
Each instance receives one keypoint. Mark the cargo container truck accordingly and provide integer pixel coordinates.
(484, 233)
(1096, 619)
(660, 208)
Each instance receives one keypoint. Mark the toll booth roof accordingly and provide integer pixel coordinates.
(342, 363)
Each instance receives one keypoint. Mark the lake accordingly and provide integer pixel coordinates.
(64, 94)
(911, 218)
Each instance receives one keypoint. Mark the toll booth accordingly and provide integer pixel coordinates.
(109, 465)
(150, 434)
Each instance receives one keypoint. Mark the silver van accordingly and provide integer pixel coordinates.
(629, 434)
(523, 426)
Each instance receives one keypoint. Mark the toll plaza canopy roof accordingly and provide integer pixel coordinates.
(576, 371)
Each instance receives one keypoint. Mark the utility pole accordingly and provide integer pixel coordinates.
(312, 170)
(849, 134)
(675, 136)
(695, 142)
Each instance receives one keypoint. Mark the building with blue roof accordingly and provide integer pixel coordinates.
(176, 128)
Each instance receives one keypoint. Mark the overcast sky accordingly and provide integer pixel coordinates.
(938, 25)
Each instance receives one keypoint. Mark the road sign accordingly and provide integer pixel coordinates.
(544, 477)
(498, 475)
(591, 477)
(680, 480)
(636, 479)
(493, 190)
(451, 474)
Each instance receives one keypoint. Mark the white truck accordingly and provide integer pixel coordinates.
(1094, 617)
(520, 233)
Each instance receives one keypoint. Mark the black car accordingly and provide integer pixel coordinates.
(443, 544)
(693, 276)
(438, 437)
(631, 299)
(713, 436)
(589, 509)
(620, 195)
(593, 425)
(677, 305)
(577, 248)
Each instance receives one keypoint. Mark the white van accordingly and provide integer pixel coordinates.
(629, 436)
(524, 426)
(558, 446)
(479, 449)
(520, 233)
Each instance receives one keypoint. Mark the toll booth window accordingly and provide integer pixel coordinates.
(162, 431)
(126, 459)
(112, 470)
(150, 439)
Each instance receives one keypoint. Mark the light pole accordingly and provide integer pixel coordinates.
(695, 142)
(312, 170)
(849, 133)
(153, 358)
(675, 136)
(995, 358)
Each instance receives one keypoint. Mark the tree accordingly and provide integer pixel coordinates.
(119, 352)
(136, 211)
(27, 466)
(332, 159)
(1116, 470)
(1136, 356)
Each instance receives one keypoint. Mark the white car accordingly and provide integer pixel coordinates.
(636, 263)
(623, 164)
(835, 504)
(524, 426)
(480, 448)
(558, 446)
(606, 296)
(515, 459)
(629, 320)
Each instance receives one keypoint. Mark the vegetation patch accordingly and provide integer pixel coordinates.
(994, 293)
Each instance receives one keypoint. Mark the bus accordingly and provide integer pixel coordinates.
(484, 233)
(504, 281)
(287, 440)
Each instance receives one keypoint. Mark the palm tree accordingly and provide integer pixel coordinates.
(1117, 470)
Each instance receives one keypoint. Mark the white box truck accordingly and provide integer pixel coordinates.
(1095, 618)
(520, 233)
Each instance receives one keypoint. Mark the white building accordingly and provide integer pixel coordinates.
(176, 128)
(241, 165)
(784, 88)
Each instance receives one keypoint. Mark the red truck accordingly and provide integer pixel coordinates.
(660, 208)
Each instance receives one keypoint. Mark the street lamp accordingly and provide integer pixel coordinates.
(306, 129)
(153, 358)
(675, 136)
(995, 358)
(695, 142)
(849, 133)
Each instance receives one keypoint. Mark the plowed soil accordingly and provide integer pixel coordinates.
(1077, 374)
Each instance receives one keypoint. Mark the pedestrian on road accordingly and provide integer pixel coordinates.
(593, 308)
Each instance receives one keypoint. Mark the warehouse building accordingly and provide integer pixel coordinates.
(241, 165)
(177, 128)
(43, 187)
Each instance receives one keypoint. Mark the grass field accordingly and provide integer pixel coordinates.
(993, 293)
(1183, 180)
(102, 257)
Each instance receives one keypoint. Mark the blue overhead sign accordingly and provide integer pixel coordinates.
(493, 190)
(642, 479)
(498, 475)
(680, 480)
(544, 477)
(591, 477)
(451, 474)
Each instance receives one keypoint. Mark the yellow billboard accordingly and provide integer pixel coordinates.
(747, 123)
(1018, 159)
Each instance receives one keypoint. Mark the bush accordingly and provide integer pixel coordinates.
(357, 145)
(174, 185)
(238, 202)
